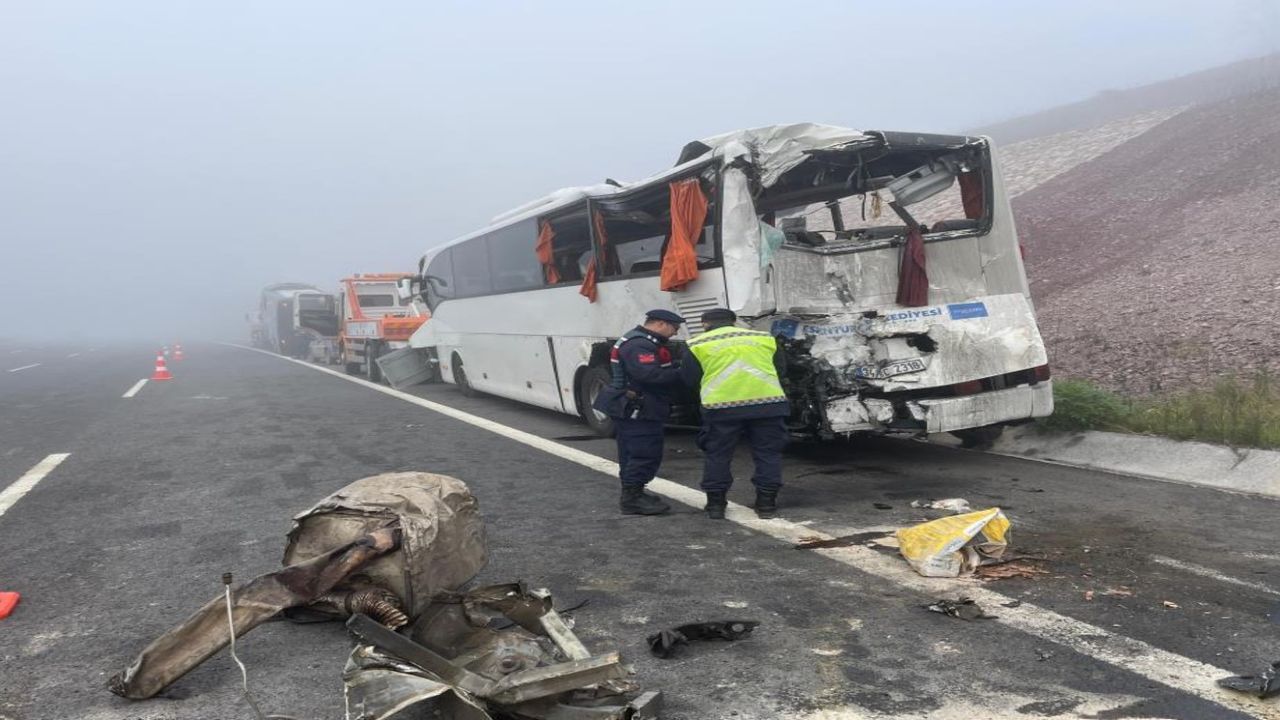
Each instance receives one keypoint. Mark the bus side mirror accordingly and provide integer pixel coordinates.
(404, 287)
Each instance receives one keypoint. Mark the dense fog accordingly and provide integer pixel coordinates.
(160, 162)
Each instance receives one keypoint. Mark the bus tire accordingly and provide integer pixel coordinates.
(979, 438)
(460, 378)
(371, 352)
(593, 381)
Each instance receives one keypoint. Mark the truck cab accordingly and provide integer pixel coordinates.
(376, 318)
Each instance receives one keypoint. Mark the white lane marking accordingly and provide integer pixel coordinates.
(25, 367)
(1135, 656)
(1212, 574)
(136, 387)
(23, 485)
(73, 355)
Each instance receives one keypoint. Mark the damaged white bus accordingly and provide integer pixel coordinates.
(887, 263)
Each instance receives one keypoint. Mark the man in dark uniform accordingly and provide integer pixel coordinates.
(737, 374)
(639, 400)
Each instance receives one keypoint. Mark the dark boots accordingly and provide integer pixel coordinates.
(716, 503)
(766, 504)
(635, 501)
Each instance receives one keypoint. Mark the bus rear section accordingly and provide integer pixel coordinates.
(964, 367)
(894, 280)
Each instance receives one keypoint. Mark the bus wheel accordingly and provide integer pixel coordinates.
(372, 371)
(594, 380)
(979, 438)
(460, 379)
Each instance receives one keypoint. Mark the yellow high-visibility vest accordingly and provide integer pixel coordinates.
(737, 368)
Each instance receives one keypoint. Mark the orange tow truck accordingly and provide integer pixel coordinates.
(376, 319)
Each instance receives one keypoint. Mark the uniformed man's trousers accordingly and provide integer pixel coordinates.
(766, 437)
(639, 450)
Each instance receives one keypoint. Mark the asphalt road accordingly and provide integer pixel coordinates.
(163, 492)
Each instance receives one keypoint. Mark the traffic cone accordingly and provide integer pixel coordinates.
(162, 372)
(8, 601)
(177, 353)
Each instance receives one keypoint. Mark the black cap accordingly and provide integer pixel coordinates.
(664, 316)
(719, 315)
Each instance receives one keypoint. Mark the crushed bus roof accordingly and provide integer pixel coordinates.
(772, 149)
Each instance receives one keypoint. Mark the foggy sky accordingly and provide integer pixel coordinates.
(161, 161)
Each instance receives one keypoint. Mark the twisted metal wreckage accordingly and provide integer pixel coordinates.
(390, 553)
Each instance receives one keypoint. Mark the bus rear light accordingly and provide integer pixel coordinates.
(973, 387)
(1041, 373)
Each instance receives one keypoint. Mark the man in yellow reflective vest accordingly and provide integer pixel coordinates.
(737, 375)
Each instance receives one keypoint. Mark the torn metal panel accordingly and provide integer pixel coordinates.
(740, 222)
(853, 282)
(410, 535)
(984, 337)
(849, 414)
(551, 680)
(847, 367)
(646, 706)
(378, 686)
(176, 652)
(985, 409)
(443, 534)
(775, 149)
(422, 657)
(505, 647)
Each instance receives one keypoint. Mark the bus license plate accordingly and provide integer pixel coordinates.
(891, 368)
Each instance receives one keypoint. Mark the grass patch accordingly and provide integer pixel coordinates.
(1234, 411)
(1081, 405)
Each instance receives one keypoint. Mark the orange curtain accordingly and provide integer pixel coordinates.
(688, 215)
(546, 253)
(588, 289)
(971, 194)
(913, 281)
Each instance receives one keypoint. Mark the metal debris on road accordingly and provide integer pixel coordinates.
(455, 662)
(955, 505)
(963, 608)
(408, 535)
(389, 552)
(1171, 605)
(664, 644)
(1264, 685)
(882, 506)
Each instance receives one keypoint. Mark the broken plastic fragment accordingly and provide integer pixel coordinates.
(665, 643)
(955, 505)
(1264, 686)
(963, 608)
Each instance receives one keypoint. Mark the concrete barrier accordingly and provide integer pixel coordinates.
(1245, 470)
